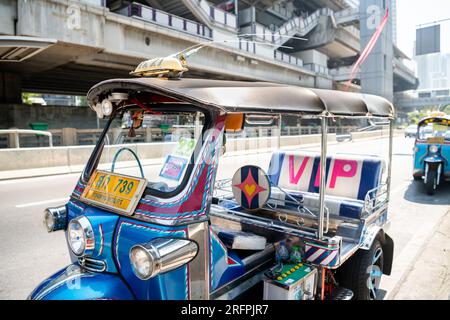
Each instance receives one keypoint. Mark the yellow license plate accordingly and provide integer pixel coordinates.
(436, 140)
(116, 192)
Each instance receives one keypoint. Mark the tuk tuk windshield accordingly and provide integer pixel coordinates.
(434, 130)
(156, 146)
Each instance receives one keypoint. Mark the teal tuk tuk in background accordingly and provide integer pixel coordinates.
(432, 152)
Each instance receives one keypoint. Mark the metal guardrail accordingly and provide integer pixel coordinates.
(281, 56)
(149, 14)
(16, 132)
(78, 137)
(344, 136)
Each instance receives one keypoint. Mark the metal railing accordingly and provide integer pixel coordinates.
(281, 56)
(347, 15)
(15, 140)
(166, 19)
(301, 25)
(82, 137)
(219, 16)
(277, 8)
(317, 68)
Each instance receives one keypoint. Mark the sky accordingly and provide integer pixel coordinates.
(411, 13)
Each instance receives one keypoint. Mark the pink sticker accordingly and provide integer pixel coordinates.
(344, 169)
(295, 177)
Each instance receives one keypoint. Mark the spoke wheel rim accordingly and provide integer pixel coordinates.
(375, 273)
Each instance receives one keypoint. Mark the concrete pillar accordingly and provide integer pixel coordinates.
(116, 133)
(377, 71)
(10, 88)
(148, 134)
(13, 140)
(69, 137)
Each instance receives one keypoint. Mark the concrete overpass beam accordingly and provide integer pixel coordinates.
(70, 22)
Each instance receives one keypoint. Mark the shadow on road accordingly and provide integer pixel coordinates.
(416, 193)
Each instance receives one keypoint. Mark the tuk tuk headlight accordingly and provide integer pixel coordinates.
(55, 218)
(433, 149)
(142, 262)
(80, 236)
(107, 107)
(161, 255)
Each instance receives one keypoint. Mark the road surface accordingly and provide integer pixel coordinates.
(29, 254)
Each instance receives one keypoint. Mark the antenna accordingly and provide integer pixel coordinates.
(174, 65)
(196, 47)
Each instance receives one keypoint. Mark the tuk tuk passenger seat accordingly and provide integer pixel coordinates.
(349, 178)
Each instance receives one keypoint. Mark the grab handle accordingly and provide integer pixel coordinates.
(134, 155)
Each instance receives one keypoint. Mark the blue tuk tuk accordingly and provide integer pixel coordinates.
(149, 220)
(432, 152)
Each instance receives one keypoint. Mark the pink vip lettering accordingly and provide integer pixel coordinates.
(295, 177)
(341, 168)
(344, 169)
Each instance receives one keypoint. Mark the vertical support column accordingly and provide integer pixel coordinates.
(323, 163)
(197, 126)
(148, 134)
(13, 140)
(199, 267)
(10, 88)
(391, 139)
(69, 137)
(377, 72)
(279, 132)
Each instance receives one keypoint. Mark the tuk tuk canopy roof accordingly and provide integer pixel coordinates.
(257, 97)
(434, 119)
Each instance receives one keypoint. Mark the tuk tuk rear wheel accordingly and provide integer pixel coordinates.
(362, 272)
(430, 185)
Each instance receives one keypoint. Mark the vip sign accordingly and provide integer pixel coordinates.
(73, 17)
(343, 178)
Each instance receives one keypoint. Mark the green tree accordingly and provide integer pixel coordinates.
(26, 97)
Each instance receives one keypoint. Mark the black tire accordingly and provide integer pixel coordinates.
(431, 182)
(354, 274)
(417, 178)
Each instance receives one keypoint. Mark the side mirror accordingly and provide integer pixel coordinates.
(234, 122)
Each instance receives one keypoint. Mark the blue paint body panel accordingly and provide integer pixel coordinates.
(172, 285)
(225, 265)
(74, 283)
(104, 225)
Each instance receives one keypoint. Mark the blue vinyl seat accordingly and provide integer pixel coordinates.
(348, 179)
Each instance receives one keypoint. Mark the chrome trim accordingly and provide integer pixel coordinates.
(241, 287)
(167, 254)
(92, 264)
(59, 217)
(199, 266)
(374, 198)
(270, 224)
(389, 173)
(259, 257)
(323, 163)
(88, 231)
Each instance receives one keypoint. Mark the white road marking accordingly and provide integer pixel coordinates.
(31, 204)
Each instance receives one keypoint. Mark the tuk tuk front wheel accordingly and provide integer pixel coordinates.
(430, 185)
(362, 272)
